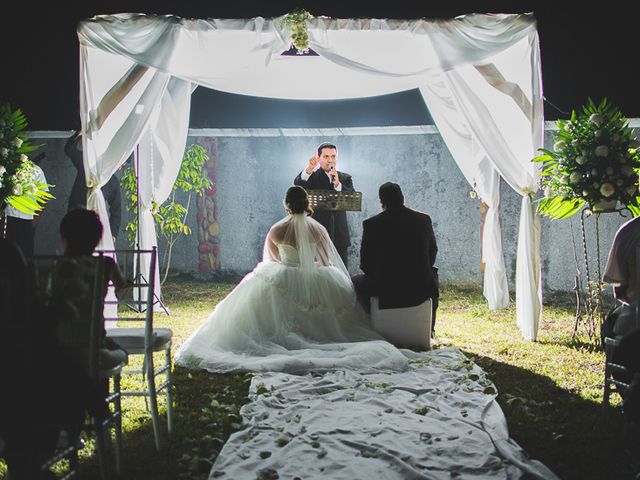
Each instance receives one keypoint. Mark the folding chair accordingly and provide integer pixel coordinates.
(53, 277)
(613, 373)
(138, 306)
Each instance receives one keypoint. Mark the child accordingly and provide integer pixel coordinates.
(80, 233)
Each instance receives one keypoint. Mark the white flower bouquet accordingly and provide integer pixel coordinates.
(19, 184)
(595, 159)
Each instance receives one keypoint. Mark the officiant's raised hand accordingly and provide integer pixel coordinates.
(313, 162)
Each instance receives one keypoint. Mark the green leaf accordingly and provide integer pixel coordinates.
(542, 158)
(558, 208)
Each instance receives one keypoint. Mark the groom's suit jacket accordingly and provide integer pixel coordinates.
(397, 255)
(319, 180)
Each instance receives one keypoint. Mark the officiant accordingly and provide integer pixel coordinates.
(321, 173)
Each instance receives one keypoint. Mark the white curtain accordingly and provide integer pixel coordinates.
(480, 174)
(490, 118)
(510, 132)
(161, 150)
(129, 59)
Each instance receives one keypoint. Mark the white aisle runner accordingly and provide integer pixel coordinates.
(436, 420)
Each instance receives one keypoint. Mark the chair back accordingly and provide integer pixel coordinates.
(136, 303)
(69, 295)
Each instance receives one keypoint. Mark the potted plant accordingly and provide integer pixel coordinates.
(19, 185)
(594, 162)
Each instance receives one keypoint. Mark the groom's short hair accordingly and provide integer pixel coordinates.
(324, 145)
(390, 195)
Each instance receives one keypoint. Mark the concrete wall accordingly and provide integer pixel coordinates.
(253, 173)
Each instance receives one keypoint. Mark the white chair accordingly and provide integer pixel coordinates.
(404, 327)
(137, 305)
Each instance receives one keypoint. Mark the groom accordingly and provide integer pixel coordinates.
(327, 177)
(397, 255)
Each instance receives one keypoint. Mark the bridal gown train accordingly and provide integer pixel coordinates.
(284, 316)
(290, 315)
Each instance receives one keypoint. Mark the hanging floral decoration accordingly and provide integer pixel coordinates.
(296, 21)
(595, 159)
(19, 185)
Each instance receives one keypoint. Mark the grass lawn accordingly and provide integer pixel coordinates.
(550, 390)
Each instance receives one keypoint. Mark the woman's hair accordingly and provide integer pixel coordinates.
(82, 231)
(297, 201)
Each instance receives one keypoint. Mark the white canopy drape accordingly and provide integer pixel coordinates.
(479, 75)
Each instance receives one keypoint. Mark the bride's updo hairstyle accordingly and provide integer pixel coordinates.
(297, 201)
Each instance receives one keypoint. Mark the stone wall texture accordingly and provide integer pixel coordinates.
(252, 173)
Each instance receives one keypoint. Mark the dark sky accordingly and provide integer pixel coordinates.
(586, 52)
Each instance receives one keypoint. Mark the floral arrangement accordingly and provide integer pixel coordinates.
(296, 22)
(594, 161)
(19, 185)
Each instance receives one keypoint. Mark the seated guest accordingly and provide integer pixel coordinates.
(621, 322)
(27, 441)
(620, 272)
(80, 233)
(397, 255)
(46, 390)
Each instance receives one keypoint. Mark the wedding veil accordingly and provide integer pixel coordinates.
(309, 238)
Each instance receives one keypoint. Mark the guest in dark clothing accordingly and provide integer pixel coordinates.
(78, 197)
(24, 430)
(44, 391)
(80, 233)
(397, 255)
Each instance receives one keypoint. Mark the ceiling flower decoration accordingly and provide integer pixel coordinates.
(296, 22)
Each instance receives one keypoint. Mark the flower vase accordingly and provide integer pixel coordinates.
(605, 206)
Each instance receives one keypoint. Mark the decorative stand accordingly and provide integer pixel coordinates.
(334, 202)
(594, 305)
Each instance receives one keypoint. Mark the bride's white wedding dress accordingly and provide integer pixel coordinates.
(295, 311)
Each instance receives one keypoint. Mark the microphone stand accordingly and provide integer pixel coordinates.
(332, 213)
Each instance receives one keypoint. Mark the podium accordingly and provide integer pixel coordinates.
(332, 202)
(335, 201)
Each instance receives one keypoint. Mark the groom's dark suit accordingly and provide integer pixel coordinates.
(319, 180)
(397, 255)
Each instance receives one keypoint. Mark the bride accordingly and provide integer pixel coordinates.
(295, 311)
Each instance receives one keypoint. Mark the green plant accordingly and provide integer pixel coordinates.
(595, 158)
(19, 184)
(296, 22)
(170, 217)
